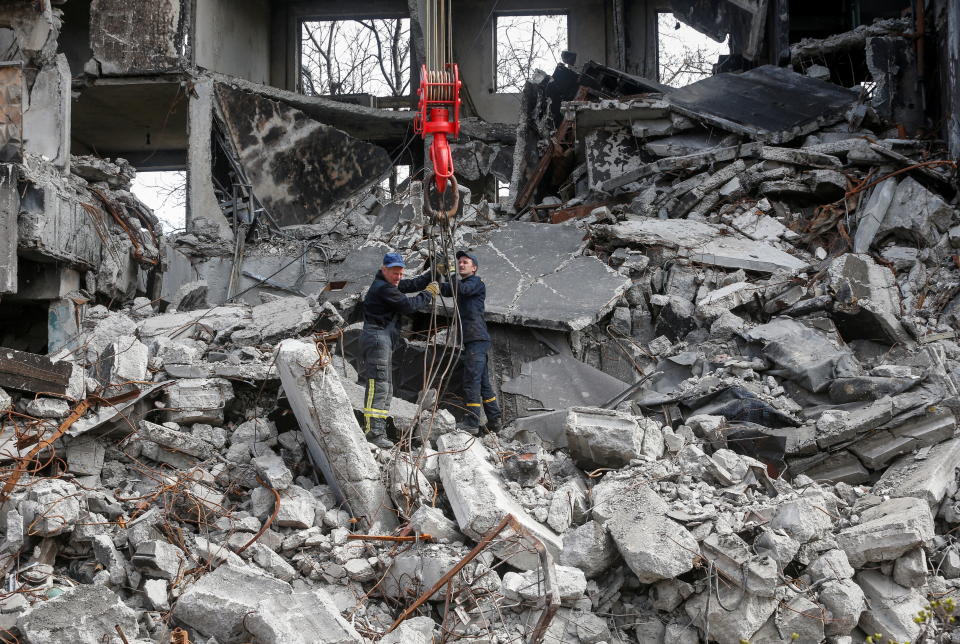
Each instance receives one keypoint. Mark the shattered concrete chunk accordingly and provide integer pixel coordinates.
(590, 548)
(480, 501)
(887, 531)
(929, 478)
(701, 242)
(602, 438)
(336, 442)
(198, 400)
(890, 607)
(309, 617)
(85, 614)
(654, 546)
(217, 604)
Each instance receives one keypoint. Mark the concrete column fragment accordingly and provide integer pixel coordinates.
(479, 499)
(333, 435)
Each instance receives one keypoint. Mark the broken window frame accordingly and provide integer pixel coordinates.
(407, 69)
(526, 13)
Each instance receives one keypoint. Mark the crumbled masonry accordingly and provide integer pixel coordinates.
(724, 325)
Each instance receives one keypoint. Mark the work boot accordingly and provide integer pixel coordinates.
(469, 424)
(378, 434)
(494, 425)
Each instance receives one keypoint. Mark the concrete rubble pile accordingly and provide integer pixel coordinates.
(724, 337)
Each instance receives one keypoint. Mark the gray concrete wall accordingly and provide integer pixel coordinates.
(285, 29)
(233, 37)
(474, 28)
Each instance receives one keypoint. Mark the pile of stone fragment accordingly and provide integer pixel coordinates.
(205, 510)
(783, 467)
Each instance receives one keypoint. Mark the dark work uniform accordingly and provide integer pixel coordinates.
(477, 391)
(382, 308)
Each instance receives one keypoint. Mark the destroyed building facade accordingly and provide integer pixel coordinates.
(725, 325)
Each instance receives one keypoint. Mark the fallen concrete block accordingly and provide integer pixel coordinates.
(198, 400)
(887, 531)
(915, 214)
(416, 570)
(808, 355)
(309, 617)
(84, 614)
(570, 582)
(744, 615)
(890, 607)
(56, 505)
(560, 382)
(844, 603)
(480, 501)
(602, 437)
(538, 269)
(590, 548)
(654, 546)
(176, 440)
(701, 242)
(156, 558)
(732, 556)
(217, 604)
(798, 617)
(336, 443)
(930, 477)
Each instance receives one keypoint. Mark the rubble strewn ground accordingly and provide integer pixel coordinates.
(725, 337)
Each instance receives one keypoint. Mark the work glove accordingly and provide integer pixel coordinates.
(433, 289)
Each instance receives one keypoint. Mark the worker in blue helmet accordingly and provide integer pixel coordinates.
(382, 307)
(471, 301)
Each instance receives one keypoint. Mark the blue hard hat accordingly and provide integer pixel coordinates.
(393, 259)
(470, 256)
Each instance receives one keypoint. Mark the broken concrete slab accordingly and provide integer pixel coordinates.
(872, 215)
(198, 400)
(868, 300)
(299, 168)
(283, 318)
(887, 531)
(808, 356)
(336, 442)
(891, 608)
(175, 440)
(610, 152)
(768, 103)
(84, 614)
(730, 626)
(930, 476)
(34, 373)
(308, 617)
(701, 242)
(217, 604)
(480, 501)
(559, 382)
(538, 271)
(915, 214)
(600, 438)
(654, 546)
(590, 548)
(420, 568)
(46, 120)
(221, 319)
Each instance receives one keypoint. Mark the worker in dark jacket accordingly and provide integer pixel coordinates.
(382, 307)
(477, 391)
